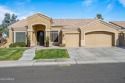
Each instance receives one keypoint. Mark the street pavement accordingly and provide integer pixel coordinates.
(84, 73)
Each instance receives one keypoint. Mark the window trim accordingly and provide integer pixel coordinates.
(15, 35)
(58, 36)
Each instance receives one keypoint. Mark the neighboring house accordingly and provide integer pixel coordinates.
(72, 32)
(121, 35)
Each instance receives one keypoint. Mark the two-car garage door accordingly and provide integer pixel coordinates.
(98, 39)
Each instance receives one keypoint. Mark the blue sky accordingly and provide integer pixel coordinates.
(110, 9)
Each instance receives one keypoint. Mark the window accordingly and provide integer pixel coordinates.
(121, 36)
(54, 36)
(20, 37)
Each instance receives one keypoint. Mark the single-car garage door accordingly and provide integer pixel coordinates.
(72, 39)
(98, 39)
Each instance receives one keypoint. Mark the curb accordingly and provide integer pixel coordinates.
(52, 62)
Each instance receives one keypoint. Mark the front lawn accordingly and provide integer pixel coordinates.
(11, 53)
(51, 54)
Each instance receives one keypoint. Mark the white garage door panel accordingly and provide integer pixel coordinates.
(72, 40)
(97, 39)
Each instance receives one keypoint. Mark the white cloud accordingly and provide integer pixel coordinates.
(122, 2)
(87, 2)
(110, 6)
(20, 15)
(25, 15)
(4, 10)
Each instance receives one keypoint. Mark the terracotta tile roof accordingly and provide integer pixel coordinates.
(67, 23)
(71, 23)
(119, 23)
(19, 24)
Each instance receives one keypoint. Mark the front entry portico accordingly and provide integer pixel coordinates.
(39, 34)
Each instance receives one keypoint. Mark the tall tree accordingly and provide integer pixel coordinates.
(2, 29)
(6, 20)
(13, 18)
(99, 16)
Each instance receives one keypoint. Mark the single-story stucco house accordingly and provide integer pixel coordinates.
(71, 32)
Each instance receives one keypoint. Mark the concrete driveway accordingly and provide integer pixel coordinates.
(106, 54)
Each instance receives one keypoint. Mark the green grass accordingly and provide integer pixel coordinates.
(11, 53)
(51, 54)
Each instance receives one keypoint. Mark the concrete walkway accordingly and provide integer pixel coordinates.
(28, 54)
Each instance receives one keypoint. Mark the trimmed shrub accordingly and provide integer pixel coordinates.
(18, 44)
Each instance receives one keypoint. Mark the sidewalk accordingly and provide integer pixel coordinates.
(28, 55)
(57, 62)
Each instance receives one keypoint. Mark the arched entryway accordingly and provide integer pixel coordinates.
(40, 38)
(39, 34)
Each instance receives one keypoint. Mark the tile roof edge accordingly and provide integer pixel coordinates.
(16, 22)
(116, 24)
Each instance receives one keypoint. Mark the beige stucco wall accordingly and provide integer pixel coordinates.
(10, 39)
(38, 20)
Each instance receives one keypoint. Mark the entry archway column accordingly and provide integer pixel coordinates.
(30, 33)
(82, 39)
(116, 39)
(63, 37)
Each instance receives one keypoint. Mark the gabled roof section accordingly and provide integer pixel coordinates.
(71, 23)
(39, 14)
(101, 21)
(119, 23)
(19, 24)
